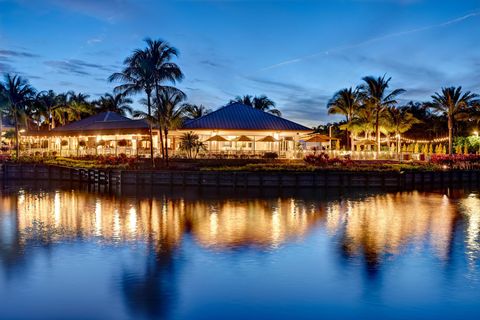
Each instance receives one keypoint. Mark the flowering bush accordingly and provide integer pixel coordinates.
(460, 161)
(322, 160)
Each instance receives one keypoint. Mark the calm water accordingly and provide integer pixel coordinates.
(206, 254)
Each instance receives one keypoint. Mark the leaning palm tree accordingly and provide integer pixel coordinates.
(455, 105)
(16, 92)
(193, 111)
(375, 96)
(114, 102)
(346, 102)
(399, 121)
(262, 103)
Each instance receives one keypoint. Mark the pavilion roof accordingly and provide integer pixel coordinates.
(105, 122)
(238, 116)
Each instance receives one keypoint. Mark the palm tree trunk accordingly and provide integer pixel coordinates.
(450, 134)
(166, 146)
(150, 129)
(348, 138)
(17, 143)
(377, 131)
(160, 131)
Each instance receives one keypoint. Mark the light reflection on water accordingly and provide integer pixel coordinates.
(189, 256)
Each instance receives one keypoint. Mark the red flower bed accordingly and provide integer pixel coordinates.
(322, 160)
(456, 160)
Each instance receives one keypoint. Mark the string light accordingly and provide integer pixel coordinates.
(407, 140)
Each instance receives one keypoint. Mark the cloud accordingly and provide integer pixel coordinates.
(373, 40)
(211, 63)
(108, 10)
(75, 66)
(17, 54)
(5, 68)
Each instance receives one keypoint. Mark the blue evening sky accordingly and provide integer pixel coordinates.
(296, 52)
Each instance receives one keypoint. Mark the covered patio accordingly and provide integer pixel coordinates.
(237, 130)
(106, 133)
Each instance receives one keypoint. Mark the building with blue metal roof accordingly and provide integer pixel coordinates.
(235, 129)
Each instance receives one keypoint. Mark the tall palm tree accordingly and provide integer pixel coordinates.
(114, 102)
(455, 105)
(161, 54)
(400, 120)
(147, 70)
(262, 103)
(193, 111)
(346, 102)
(138, 76)
(374, 94)
(17, 92)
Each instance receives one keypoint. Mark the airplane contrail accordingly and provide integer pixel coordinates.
(372, 40)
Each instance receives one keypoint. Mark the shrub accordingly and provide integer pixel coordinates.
(82, 143)
(457, 161)
(64, 143)
(122, 143)
(319, 160)
(270, 155)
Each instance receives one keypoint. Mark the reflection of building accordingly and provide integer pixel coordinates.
(373, 226)
(227, 223)
(384, 224)
(233, 129)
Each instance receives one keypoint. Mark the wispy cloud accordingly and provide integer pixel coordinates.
(109, 10)
(373, 40)
(75, 66)
(17, 54)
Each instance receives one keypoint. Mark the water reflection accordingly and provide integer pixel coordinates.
(372, 228)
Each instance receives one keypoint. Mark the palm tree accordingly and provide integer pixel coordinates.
(362, 122)
(262, 103)
(455, 105)
(346, 102)
(114, 102)
(161, 54)
(193, 111)
(137, 76)
(78, 106)
(191, 144)
(48, 101)
(374, 95)
(146, 70)
(170, 111)
(16, 92)
(399, 121)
